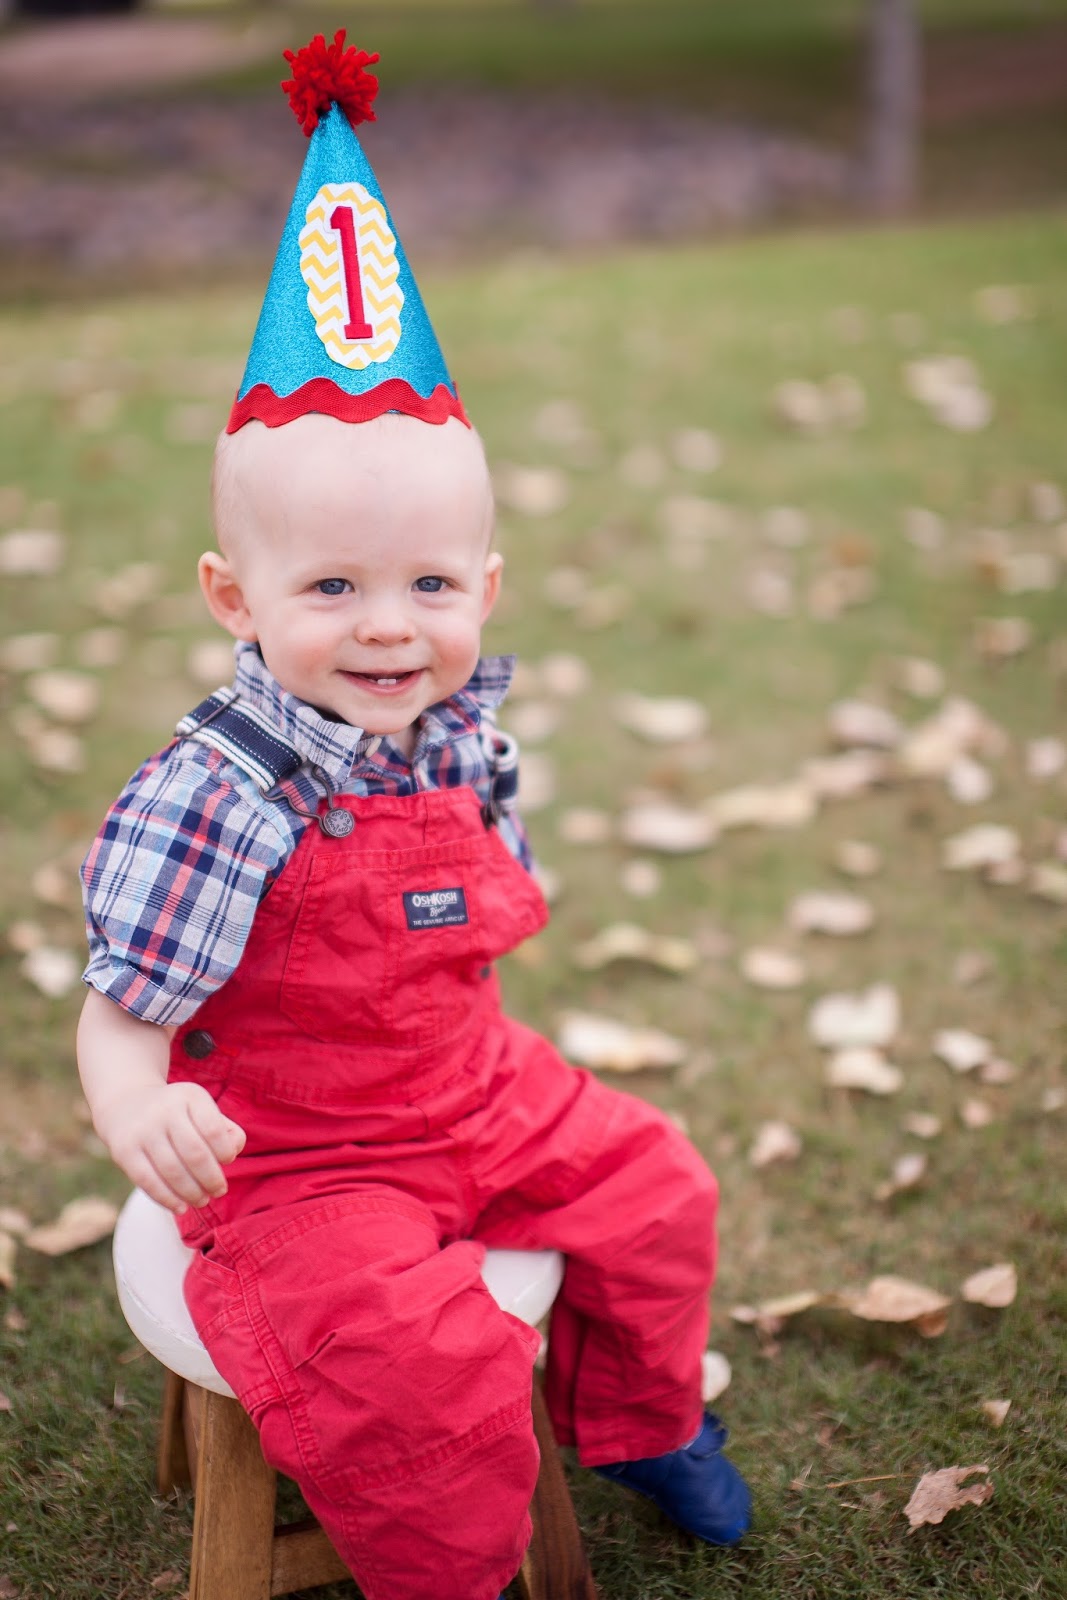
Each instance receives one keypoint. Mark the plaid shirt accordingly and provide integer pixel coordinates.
(191, 845)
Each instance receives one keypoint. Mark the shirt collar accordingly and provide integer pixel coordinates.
(337, 747)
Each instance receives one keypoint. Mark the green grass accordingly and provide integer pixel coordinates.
(645, 343)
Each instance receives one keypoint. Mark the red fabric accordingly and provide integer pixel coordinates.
(261, 404)
(323, 73)
(398, 1124)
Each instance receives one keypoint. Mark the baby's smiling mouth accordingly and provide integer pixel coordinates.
(384, 680)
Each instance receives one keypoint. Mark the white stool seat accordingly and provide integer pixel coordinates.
(151, 1262)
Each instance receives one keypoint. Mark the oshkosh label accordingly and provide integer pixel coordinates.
(436, 908)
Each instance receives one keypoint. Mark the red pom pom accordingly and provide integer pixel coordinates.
(323, 73)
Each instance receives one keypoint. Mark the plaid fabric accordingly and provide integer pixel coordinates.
(191, 845)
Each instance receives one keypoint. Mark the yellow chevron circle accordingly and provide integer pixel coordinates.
(332, 301)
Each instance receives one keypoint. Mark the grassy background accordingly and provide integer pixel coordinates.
(644, 343)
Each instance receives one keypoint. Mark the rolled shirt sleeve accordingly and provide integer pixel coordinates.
(172, 883)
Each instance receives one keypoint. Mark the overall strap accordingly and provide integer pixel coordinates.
(501, 755)
(244, 736)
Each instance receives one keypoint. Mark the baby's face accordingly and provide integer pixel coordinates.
(364, 563)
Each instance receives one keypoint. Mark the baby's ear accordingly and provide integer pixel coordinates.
(224, 596)
(494, 567)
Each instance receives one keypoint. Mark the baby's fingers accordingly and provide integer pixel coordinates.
(197, 1158)
(224, 1138)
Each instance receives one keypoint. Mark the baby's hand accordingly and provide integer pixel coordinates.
(170, 1139)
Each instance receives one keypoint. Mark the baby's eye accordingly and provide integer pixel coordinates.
(333, 585)
(430, 585)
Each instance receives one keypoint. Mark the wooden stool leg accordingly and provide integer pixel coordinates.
(233, 1523)
(555, 1565)
(172, 1458)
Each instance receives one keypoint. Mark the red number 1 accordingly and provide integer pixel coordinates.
(343, 222)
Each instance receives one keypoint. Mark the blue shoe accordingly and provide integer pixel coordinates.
(696, 1486)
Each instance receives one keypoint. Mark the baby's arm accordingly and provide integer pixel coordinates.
(170, 1139)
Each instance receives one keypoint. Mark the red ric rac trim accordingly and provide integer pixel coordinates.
(261, 404)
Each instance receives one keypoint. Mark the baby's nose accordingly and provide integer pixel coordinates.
(384, 623)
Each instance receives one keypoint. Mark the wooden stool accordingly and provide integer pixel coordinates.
(207, 1439)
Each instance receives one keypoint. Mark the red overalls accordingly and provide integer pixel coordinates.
(398, 1124)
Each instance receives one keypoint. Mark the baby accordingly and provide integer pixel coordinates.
(293, 1036)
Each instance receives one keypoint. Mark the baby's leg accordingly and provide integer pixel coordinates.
(383, 1377)
(611, 1182)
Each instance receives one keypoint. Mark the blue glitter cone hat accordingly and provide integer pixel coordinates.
(343, 329)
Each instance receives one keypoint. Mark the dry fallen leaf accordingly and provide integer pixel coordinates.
(918, 677)
(861, 1067)
(996, 1411)
(969, 782)
(80, 1222)
(786, 526)
(938, 1493)
(660, 721)
(1048, 881)
(128, 589)
(995, 1287)
(690, 519)
(976, 1114)
(835, 913)
(53, 971)
(24, 936)
(12, 1220)
(987, 845)
(958, 728)
(923, 1124)
(31, 553)
(533, 721)
(584, 825)
(782, 805)
(770, 592)
(715, 1375)
(642, 467)
(533, 491)
(908, 1171)
(856, 722)
(971, 966)
(1045, 758)
(610, 1046)
(641, 878)
(923, 528)
(7, 1261)
(537, 781)
(997, 1071)
(56, 750)
(871, 1017)
(672, 829)
(960, 1049)
(857, 859)
(209, 662)
(1000, 638)
(564, 675)
(802, 405)
(841, 777)
(29, 652)
(774, 1141)
(696, 450)
(55, 883)
(66, 696)
(892, 1299)
(772, 969)
(624, 941)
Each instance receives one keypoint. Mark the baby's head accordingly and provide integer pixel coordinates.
(358, 556)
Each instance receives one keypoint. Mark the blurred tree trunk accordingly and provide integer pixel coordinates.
(894, 72)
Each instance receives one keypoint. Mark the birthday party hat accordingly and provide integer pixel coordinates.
(343, 329)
